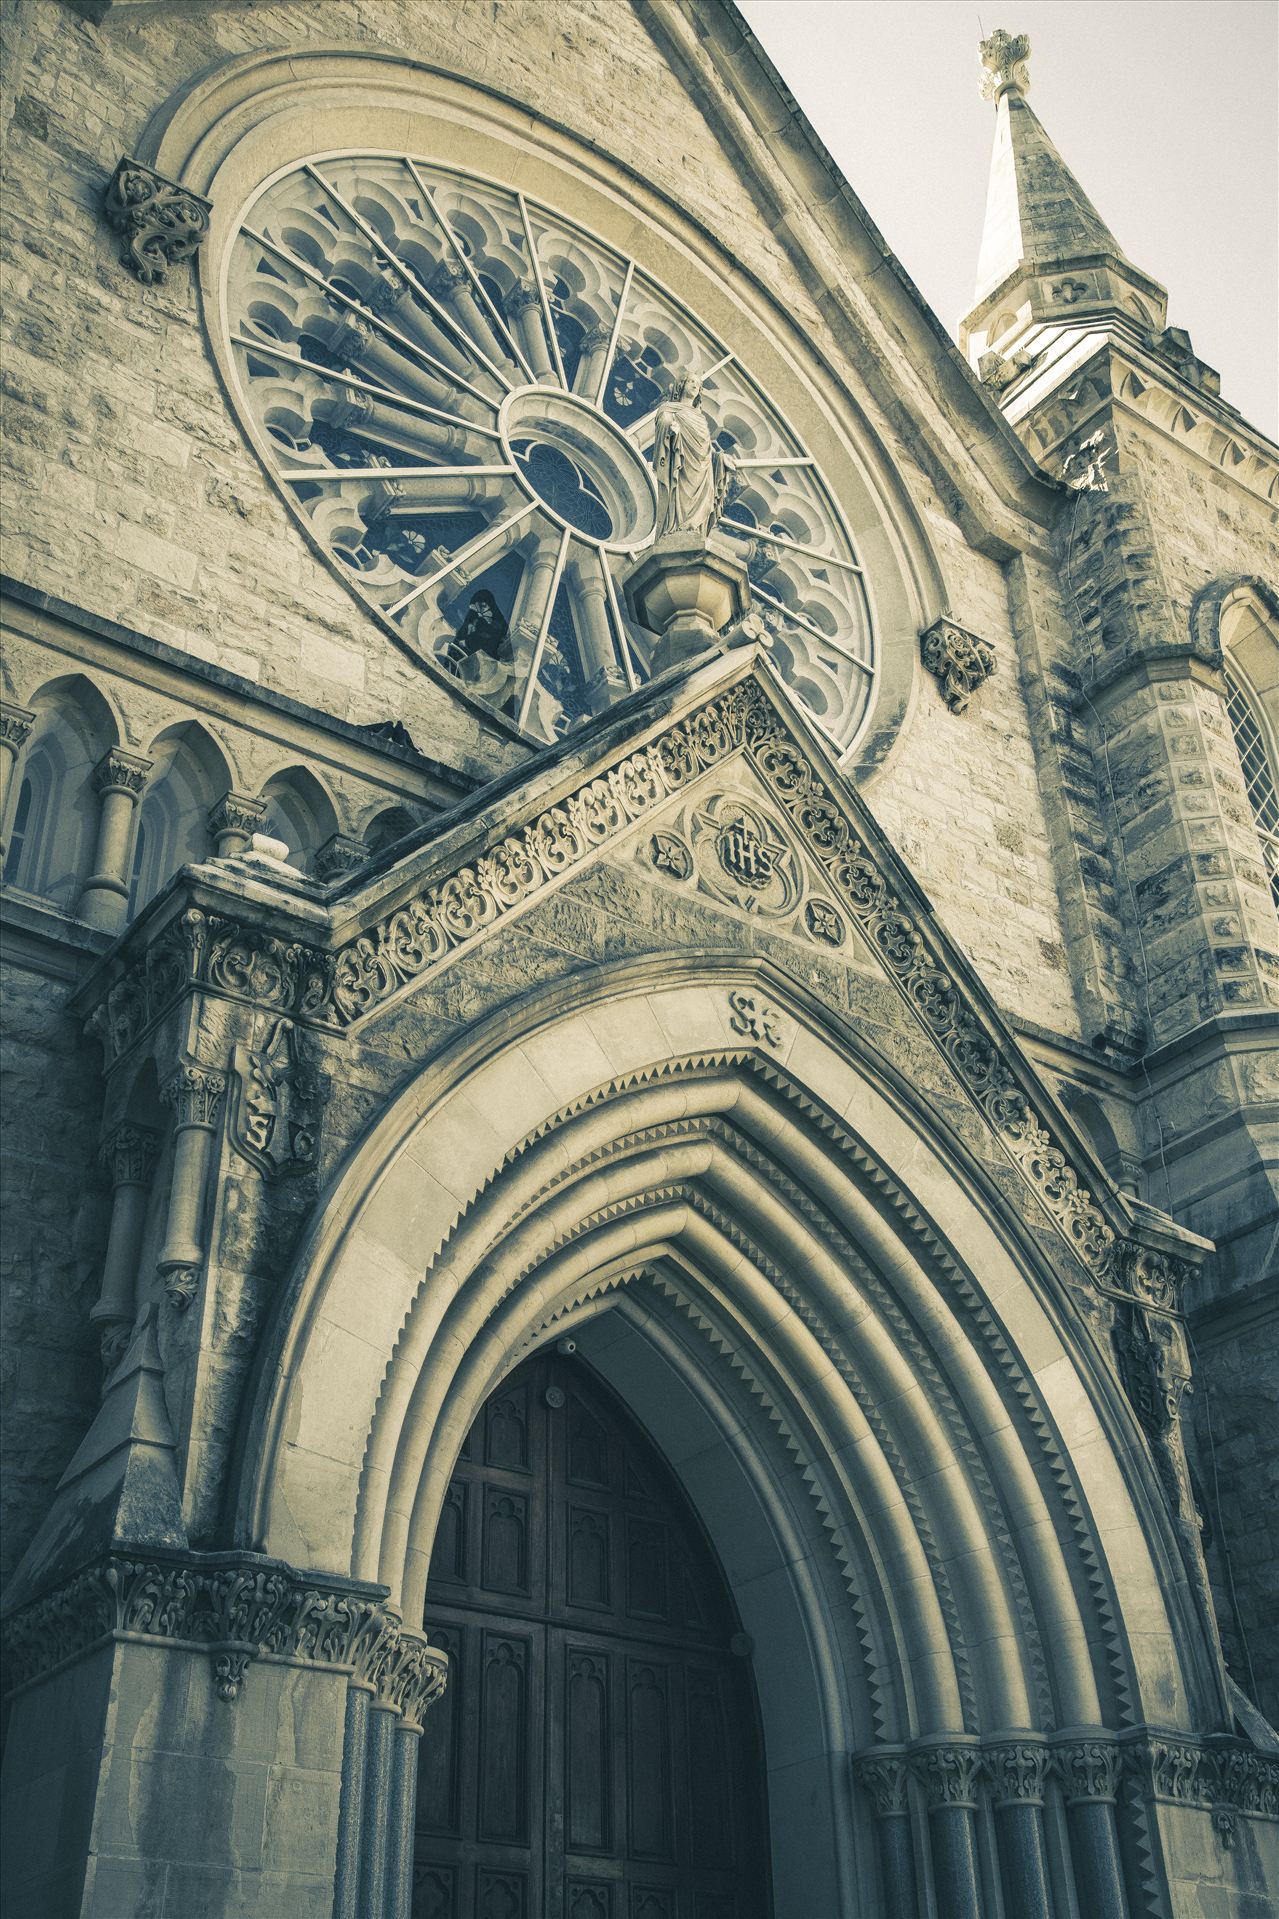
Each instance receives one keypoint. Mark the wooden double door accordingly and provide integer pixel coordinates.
(596, 1755)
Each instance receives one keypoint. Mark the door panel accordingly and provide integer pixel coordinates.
(596, 1755)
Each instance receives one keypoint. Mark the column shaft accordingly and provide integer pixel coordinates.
(196, 1097)
(351, 1812)
(377, 1808)
(104, 897)
(1023, 1861)
(399, 1851)
(1094, 1851)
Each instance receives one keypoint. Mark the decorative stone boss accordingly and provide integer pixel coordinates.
(689, 585)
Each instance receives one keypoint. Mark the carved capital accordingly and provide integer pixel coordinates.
(128, 1155)
(959, 661)
(121, 772)
(162, 223)
(520, 298)
(236, 813)
(339, 856)
(446, 280)
(885, 1779)
(1087, 1768)
(195, 1095)
(1017, 1770)
(388, 292)
(949, 1774)
(16, 723)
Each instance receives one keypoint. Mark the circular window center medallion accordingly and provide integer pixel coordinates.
(578, 465)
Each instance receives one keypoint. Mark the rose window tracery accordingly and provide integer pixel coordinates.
(457, 389)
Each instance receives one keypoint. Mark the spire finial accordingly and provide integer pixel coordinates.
(1004, 56)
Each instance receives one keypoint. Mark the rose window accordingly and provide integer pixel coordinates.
(457, 390)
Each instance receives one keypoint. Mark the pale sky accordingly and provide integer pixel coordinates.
(1167, 111)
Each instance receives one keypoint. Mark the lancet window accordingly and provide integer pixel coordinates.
(456, 388)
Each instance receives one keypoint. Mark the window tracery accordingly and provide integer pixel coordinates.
(457, 389)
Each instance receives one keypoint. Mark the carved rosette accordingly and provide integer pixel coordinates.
(162, 223)
(885, 1779)
(950, 1775)
(195, 1094)
(238, 1608)
(958, 660)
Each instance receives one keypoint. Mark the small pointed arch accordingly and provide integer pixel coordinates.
(1237, 621)
(53, 823)
(1090, 1115)
(388, 826)
(190, 774)
(299, 812)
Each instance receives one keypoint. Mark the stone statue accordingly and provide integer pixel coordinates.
(691, 472)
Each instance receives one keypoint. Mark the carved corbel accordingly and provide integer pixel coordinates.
(162, 222)
(339, 856)
(960, 661)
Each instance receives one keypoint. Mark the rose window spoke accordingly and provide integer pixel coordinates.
(457, 389)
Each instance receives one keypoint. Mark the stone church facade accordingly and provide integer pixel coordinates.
(641, 977)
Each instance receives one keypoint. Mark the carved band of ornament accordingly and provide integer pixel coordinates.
(129, 1154)
(1224, 1773)
(237, 1611)
(195, 1095)
(161, 222)
(120, 772)
(958, 660)
(244, 962)
(222, 955)
(15, 724)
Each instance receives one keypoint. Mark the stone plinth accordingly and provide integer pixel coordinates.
(686, 589)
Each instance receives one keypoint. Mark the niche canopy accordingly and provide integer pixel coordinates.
(457, 390)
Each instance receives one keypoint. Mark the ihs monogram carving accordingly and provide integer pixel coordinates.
(743, 857)
(162, 223)
(755, 1019)
(276, 1106)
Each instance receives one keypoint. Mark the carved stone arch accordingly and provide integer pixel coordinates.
(409, 1178)
(300, 810)
(190, 772)
(53, 810)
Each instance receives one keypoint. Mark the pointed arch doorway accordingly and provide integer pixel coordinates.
(597, 1755)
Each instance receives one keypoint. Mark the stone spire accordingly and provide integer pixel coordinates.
(1048, 259)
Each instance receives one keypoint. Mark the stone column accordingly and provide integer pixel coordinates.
(1017, 1770)
(233, 822)
(590, 366)
(16, 723)
(355, 1745)
(196, 1097)
(119, 778)
(398, 1899)
(885, 1779)
(378, 1786)
(1089, 1771)
(950, 1774)
(523, 307)
(128, 1155)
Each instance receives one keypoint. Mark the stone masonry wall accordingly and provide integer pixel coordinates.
(55, 1203)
